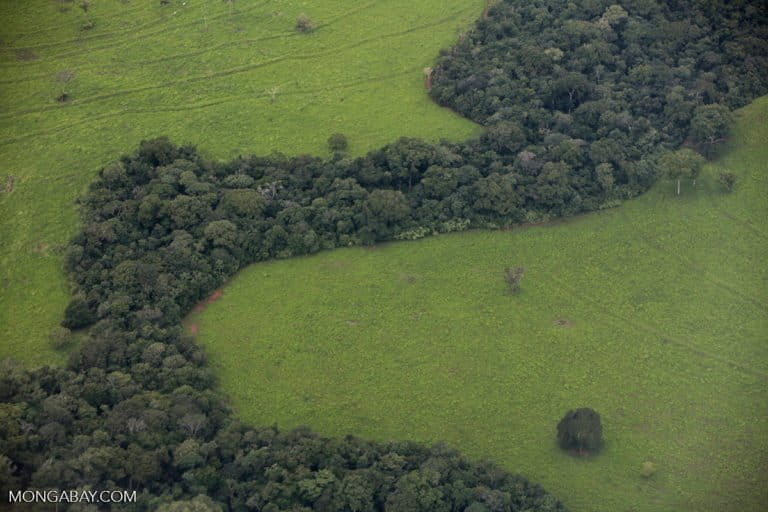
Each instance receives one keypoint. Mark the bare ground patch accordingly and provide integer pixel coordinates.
(25, 54)
(562, 321)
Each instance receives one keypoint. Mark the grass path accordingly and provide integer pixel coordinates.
(231, 82)
(654, 313)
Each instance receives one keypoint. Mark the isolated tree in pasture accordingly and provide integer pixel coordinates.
(304, 24)
(580, 430)
(63, 78)
(727, 180)
(513, 277)
(338, 142)
(680, 165)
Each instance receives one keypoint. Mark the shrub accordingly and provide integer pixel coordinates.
(580, 430)
(304, 24)
(60, 338)
(648, 469)
(727, 179)
(513, 276)
(338, 142)
(77, 314)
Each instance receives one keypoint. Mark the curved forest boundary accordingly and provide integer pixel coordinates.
(232, 82)
(654, 313)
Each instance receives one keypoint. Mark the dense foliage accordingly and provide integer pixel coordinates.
(595, 87)
(580, 430)
(559, 86)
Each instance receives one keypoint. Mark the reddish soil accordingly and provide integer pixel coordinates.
(214, 297)
(193, 329)
(199, 307)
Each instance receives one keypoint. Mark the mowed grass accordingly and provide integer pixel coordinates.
(231, 81)
(654, 314)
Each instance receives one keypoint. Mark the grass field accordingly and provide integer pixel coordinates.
(231, 81)
(654, 313)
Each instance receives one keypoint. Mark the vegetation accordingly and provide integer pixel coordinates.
(144, 72)
(652, 313)
(304, 23)
(513, 277)
(338, 142)
(580, 430)
(164, 227)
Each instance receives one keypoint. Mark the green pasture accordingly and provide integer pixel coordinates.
(654, 313)
(230, 79)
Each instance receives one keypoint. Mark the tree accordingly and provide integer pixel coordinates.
(78, 314)
(580, 430)
(681, 164)
(304, 24)
(338, 142)
(709, 126)
(513, 277)
(727, 179)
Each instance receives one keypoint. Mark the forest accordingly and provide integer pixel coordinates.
(582, 102)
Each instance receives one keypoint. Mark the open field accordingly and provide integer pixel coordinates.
(232, 81)
(654, 313)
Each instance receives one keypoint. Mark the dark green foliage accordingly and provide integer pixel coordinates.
(601, 87)
(679, 165)
(338, 142)
(78, 314)
(576, 96)
(304, 24)
(727, 180)
(580, 430)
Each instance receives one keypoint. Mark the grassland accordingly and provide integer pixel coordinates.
(654, 313)
(232, 81)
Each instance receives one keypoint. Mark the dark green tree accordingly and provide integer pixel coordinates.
(580, 430)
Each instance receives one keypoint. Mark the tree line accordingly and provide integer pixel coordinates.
(580, 99)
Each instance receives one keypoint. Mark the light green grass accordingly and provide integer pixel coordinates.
(202, 75)
(665, 300)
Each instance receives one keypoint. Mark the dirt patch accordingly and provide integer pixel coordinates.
(193, 329)
(41, 248)
(10, 181)
(214, 297)
(199, 307)
(561, 321)
(25, 54)
(408, 278)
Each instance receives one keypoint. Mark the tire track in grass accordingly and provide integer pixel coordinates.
(202, 105)
(137, 37)
(223, 73)
(687, 264)
(122, 13)
(653, 330)
(227, 44)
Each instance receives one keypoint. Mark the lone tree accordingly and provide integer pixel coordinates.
(580, 430)
(727, 180)
(304, 23)
(338, 142)
(681, 164)
(513, 276)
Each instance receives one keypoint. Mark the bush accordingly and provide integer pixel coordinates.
(338, 142)
(727, 180)
(580, 430)
(513, 276)
(77, 314)
(304, 24)
(60, 338)
(648, 469)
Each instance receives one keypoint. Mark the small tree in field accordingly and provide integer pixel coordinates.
(681, 164)
(338, 142)
(513, 277)
(580, 430)
(727, 179)
(304, 24)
